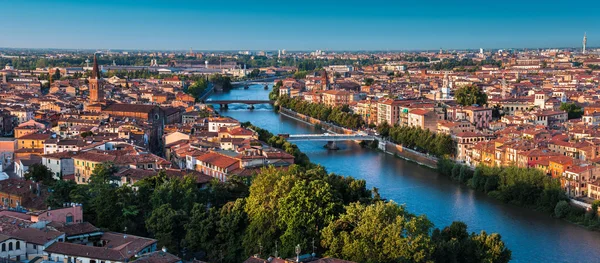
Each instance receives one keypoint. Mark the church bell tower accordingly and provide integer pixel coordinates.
(95, 84)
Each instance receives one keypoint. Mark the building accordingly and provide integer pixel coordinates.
(32, 141)
(12, 248)
(215, 124)
(112, 247)
(36, 240)
(217, 165)
(84, 164)
(389, 111)
(95, 85)
(424, 119)
(336, 98)
(21, 194)
(60, 163)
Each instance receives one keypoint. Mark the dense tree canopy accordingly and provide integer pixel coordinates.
(339, 115)
(221, 81)
(418, 139)
(198, 88)
(573, 110)
(274, 94)
(40, 173)
(469, 95)
(522, 186)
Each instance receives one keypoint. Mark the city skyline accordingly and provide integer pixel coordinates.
(237, 25)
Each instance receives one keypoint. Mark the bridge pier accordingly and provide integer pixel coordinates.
(251, 106)
(224, 106)
(331, 145)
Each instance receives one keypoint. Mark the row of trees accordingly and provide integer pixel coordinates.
(451, 64)
(521, 186)
(525, 187)
(339, 115)
(418, 139)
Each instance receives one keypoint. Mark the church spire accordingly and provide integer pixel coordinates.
(584, 41)
(95, 71)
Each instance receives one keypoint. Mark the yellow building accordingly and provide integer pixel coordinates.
(32, 141)
(558, 165)
(86, 162)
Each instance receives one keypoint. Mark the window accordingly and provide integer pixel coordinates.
(69, 218)
(10, 246)
(3, 247)
(18, 245)
(35, 247)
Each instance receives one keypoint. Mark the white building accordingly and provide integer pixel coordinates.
(60, 164)
(12, 248)
(214, 124)
(37, 240)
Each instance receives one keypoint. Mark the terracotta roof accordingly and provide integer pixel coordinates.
(94, 157)
(78, 229)
(219, 160)
(36, 236)
(35, 136)
(10, 224)
(59, 155)
(121, 107)
(77, 250)
(419, 111)
(157, 257)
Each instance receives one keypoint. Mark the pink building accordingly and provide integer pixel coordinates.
(67, 215)
(480, 117)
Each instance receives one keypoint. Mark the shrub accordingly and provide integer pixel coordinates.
(562, 209)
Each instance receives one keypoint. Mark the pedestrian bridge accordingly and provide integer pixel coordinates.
(249, 102)
(224, 104)
(327, 137)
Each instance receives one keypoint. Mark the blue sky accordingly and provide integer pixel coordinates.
(297, 25)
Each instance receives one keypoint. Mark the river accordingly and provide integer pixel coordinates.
(532, 236)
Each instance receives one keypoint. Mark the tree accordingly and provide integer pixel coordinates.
(254, 73)
(455, 244)
(202, 229)
(308, 207)
(382, 232)
(224, 82)
(60, 193)
(573, 110)
(369, 81)
(102, 174)
(86, 134)
(41, 174)
(469, 95)
(300, 74)
(274, 94)
(197, 88)
(167, 226)
(56, 75)
(562, 209)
